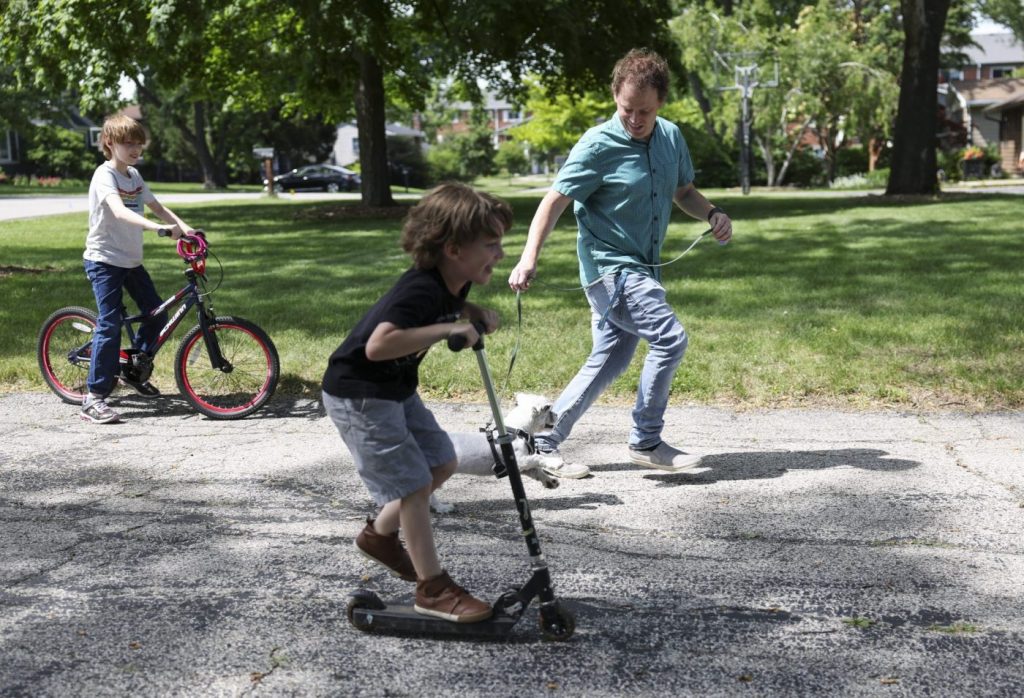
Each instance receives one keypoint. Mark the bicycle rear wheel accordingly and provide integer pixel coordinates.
(64, 351)
(244, 385)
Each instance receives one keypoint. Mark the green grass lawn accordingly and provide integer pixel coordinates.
(845, 301)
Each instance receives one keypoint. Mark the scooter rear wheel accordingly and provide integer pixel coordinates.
(363, 599)
(559, 625)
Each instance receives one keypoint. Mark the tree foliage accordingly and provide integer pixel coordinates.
(558, 119)
(1006, 12)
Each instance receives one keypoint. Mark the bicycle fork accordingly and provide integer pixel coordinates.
(217, 360)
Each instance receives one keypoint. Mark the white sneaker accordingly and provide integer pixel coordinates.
(551, 463)
(665, 457)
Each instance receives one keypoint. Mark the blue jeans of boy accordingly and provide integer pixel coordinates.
(108, 285)
(638, 311)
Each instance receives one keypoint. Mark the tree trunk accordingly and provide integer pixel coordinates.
(373, 149)
(913, 152)
(764, 145)
(212, 178)
(697, 89)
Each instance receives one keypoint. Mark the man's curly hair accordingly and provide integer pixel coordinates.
(452, 213)
(642, 67)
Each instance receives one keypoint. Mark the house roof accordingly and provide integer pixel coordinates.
(986, 93)
(1011, 103)
(392, 130)
(995, 49)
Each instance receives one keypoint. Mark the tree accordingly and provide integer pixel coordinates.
(59, 151)
(913, 169)
(316, 57)
(1007, 12)
(558, 120)
(464, 156)
(511, 158)
(367, 52)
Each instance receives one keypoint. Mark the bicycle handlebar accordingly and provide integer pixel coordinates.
(191, 247)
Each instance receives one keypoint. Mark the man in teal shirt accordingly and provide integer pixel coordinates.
(623, 177)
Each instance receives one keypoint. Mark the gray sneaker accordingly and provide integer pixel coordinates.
(664, 457)
(97, 410)
(551, 462)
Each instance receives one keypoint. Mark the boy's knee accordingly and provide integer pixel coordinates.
(443, 472)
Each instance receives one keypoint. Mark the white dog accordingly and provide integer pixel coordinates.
(530, 414)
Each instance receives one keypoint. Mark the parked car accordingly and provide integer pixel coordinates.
(317, 177)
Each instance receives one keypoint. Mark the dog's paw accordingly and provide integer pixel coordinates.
(550, 483)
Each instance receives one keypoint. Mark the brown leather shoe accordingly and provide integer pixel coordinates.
(386, 551)
(442, 598)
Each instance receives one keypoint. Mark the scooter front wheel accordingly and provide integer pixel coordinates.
(557, 623)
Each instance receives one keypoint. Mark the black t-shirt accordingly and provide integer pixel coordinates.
(419, 298)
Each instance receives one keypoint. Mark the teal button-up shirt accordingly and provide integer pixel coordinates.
(623, 189)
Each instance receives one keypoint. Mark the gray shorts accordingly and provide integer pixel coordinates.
(395, 444)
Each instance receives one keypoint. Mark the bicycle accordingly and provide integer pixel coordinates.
(226, 367)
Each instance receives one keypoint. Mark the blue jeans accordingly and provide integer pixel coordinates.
(640, 311)
(108, 285)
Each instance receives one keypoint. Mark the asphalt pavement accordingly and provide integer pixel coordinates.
(815, 552)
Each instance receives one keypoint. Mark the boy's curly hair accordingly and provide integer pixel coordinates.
(642, 67)
(121, 129)
(452, 213)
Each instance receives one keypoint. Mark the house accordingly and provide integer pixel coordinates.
(1011, 132)
(992, 112)
(996, 55)
(14, 144)
(502, 115)
(346, 140)
(11, 147)
(983, 97)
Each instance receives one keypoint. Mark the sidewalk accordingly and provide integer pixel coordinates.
(12, 207)
(815, 553)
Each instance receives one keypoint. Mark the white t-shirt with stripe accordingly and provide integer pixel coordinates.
(112, 241)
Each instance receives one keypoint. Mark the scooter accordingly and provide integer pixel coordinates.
(367, 612)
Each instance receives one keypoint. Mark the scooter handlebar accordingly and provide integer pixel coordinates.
(457, 342)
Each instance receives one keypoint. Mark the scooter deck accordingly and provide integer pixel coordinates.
(396, 618)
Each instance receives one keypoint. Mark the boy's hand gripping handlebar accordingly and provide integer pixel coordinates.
(457, 342)
(191, 248)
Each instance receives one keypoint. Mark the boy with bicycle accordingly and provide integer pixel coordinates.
(369, 389)
(113, 261)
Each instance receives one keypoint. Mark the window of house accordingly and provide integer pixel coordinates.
(1002, 71)
(7, 146)
(511, 115)
(355, 145)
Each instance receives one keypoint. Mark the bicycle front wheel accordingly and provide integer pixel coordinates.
(245, 381)
(64, 351)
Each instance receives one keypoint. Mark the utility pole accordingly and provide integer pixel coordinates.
(746, 77)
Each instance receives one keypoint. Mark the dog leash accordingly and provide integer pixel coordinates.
(642, 264)
(618, 287)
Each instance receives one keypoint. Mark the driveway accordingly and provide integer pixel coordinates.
(814, 553)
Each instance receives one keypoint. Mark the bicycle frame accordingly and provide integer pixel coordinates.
(189, 296)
